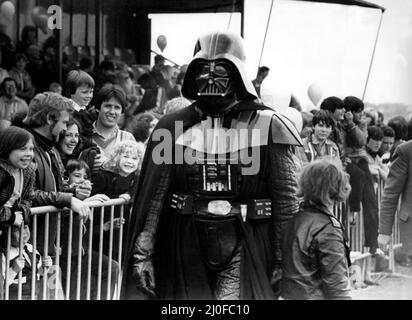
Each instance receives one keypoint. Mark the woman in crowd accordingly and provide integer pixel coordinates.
(69, 140)
(315, 251)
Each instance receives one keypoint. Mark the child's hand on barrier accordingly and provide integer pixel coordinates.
(47, 262)
(98, 197)
(83, 190)
(81, 208)
(18, 264)
(19, 218)
(125, 196)
(117, 222)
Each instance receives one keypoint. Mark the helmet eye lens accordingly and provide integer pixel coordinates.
(221, 70)
(205, 69)
(213, 69)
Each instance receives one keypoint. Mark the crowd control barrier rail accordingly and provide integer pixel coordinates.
(87, 255)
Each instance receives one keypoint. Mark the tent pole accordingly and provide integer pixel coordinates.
(266, 32)
(373, 56)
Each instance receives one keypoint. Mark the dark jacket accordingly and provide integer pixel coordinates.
(315, 256)
(49, 174)
(48, 186)
(112, 184)
(398, 185)
(7, 215)
(349, 136)
(86, 118)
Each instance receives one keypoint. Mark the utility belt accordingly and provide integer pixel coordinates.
(248, 209)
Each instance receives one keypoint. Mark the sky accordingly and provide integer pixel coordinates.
(327, 46)
(183, 30)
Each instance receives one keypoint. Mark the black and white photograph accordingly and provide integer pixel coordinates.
(213, 153)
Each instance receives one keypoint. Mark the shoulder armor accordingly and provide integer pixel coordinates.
(284, 131)
(335, 222)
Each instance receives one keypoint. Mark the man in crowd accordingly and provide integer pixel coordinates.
(47, 118)
(387, 144)
(335, 108)
(399, 183)
(110, 104)
(10, 103)
(262, 73)
(378, 170)
(159, 63)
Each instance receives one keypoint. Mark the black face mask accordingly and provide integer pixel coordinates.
(216, 86)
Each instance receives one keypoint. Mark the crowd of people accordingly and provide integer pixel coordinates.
(84, 140)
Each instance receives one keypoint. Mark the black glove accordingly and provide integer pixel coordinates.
(143, 273)
(143, 270)
(276, 278)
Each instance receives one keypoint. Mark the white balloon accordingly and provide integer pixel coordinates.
(43, 23)
(37, 14)
(274, 94)
(315, 93)
(7, 11)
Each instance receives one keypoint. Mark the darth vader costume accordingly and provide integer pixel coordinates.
(217, 186)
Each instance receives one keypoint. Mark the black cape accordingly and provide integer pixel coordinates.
(185, 267)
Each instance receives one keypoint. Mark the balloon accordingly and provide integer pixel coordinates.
(40, 18)
(274, 94)
(7, 11)
(161, 42)
(43, 24)
(314, 93)
(36, 13)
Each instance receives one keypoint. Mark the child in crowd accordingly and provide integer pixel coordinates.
(318, 144)
(118, 179)
(77, 177)
(22, 262)
(118, 176)
(79, 87)
(77, 181)
(315, 251)
(78, 173)
(17, 176)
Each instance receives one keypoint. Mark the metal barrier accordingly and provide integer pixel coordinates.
(86, 255)
(355, 231)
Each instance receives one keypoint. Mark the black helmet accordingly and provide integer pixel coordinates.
(222, 55)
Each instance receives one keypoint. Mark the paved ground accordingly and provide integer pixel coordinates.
(393, 287)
